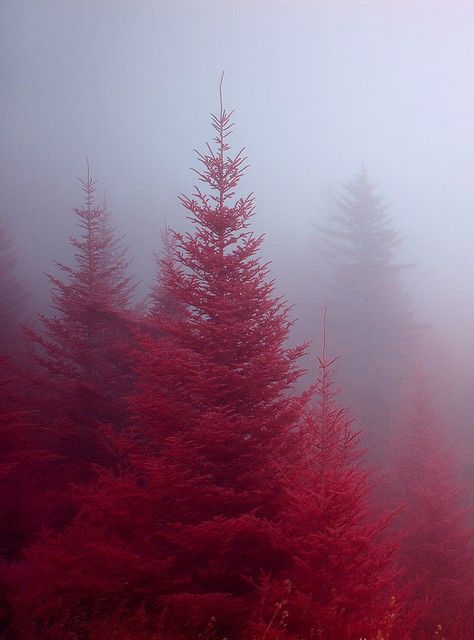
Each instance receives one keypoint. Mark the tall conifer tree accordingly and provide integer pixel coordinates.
(80, 348)
(181, 535)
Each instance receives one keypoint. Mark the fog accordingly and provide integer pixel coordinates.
(175, 462)
(319, 89)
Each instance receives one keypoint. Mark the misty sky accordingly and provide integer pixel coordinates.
(318, 88)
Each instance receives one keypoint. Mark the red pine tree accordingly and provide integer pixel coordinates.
(342, 580)
(436, 539)
(84, 374)
(181, 535)
(81, 348)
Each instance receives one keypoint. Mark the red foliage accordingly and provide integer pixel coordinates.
(21, 459)
(82, 378)
(342, 582)
(25, 487)
(182, 533)
(167, 482)
(15, 441)
(81, 348)
(436, 539)
(162, 301)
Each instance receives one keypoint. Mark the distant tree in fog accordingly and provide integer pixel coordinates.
(436, 547)
(12, 296)
(80, 351)
(23, 500)
(163, 302)
(372, 321)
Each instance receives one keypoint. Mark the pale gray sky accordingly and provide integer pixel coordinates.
(318, 88)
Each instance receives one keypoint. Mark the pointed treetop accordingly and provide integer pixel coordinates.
(324, 363)
(221, 100)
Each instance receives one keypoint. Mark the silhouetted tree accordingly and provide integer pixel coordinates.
(373, 324)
